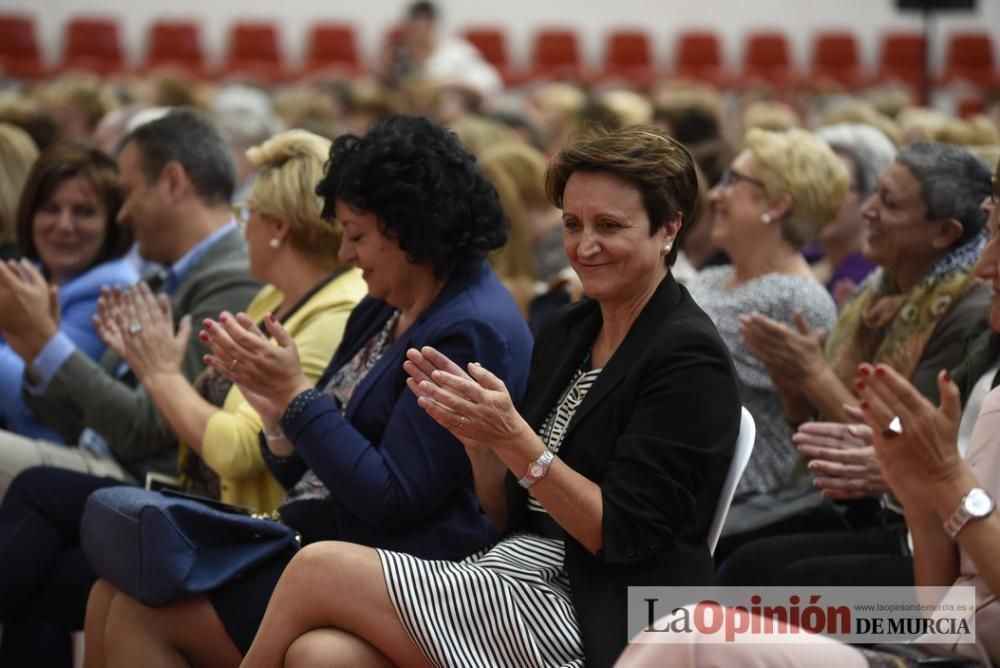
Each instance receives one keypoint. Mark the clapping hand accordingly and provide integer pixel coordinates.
(29, 308)
(843, 459)
(138, 326)
(474, 405)
(789, 355)
(922, 450)
(268, 374)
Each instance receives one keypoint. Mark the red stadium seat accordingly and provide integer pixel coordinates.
(93, 45)
(175, 44)
(835, 58)
(628, 56)
(902, 59)
(254, 51)
(332, 48)
(970, 58)
(492, 45)
(19, 54)
(556, 55)
(699, 57)
(766, 58)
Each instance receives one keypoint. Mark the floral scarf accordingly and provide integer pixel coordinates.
(881, 325)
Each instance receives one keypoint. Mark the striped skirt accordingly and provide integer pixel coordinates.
(508, 605)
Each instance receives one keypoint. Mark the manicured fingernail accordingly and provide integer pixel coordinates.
(863, 405)
(864, 371)
(271, 319)
(203, 336)
(859, 385)
(879, 371)
(947, 376)
(207, 324)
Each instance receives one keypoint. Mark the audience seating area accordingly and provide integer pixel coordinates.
(254, 49)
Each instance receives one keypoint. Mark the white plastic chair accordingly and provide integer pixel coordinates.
(741, 455)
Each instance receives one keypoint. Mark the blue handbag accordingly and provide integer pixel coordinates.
(158, 548)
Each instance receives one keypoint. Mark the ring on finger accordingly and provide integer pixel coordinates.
(236, 360)
(895, 425)
(134, 327)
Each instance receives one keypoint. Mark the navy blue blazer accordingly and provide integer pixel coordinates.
(397, 479)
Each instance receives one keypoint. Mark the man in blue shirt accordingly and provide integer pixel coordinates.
(177, 177)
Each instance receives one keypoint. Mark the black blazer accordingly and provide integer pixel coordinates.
(656, 431)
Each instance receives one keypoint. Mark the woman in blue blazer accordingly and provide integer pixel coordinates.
(67, 229)
(361, 460)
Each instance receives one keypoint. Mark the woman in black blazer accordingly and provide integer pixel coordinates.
(624, 438)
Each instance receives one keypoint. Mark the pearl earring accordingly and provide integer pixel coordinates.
(666, 247)
(765, 218)
(274, 243)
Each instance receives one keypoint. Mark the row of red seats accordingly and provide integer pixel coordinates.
(94, 45)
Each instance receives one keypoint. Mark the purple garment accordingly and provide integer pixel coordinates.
(854, 267)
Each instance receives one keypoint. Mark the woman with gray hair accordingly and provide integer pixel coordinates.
(865, 151)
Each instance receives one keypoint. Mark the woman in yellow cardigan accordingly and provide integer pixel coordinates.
(294, 251)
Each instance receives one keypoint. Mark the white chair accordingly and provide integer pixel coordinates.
(741, 455)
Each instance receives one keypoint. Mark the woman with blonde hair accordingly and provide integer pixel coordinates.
(533, 251)
(293, 250)
(776, 196)
(17, 154)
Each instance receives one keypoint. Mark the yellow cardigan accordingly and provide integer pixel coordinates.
(229, 444)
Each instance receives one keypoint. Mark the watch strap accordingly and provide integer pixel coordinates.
(537, 469)
(954, 524)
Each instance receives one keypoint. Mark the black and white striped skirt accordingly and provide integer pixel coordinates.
(508, 605)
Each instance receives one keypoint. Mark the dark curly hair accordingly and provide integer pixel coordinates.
(425, 190)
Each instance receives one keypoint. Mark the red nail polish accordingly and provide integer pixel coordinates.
(207, 324)
(863, 405)
(203, 336)
(271, 318)
(947, 376)
(879, 371)
(859, 385)
(864, 371)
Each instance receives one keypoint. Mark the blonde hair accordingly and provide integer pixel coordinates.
(857, 111)
(770, 115)
(627, 108)
(290, 164)
(517, 171)
(17, 154)
(804, 166)
(478, 134)
(89, 96)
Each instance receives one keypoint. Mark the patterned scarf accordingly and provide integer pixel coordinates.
(881, 325)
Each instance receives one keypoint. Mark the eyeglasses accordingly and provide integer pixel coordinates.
(731, 176)
(994, 196)
(241, 214)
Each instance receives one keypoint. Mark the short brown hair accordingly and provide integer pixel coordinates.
(65, 161)
(658, 165)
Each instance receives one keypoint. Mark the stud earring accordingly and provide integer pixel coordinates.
(667, 246)
(274, 243)
(765, 218)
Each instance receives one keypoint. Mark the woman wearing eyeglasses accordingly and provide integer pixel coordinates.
(776, 196)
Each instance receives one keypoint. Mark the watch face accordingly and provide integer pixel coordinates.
(536, 470)
(978, 503)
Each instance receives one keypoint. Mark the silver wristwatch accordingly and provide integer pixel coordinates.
(537, 469)
(975, 505)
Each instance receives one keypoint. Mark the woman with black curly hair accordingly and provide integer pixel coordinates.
(361, 460)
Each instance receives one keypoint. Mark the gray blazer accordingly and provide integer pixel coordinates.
(87, 394)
